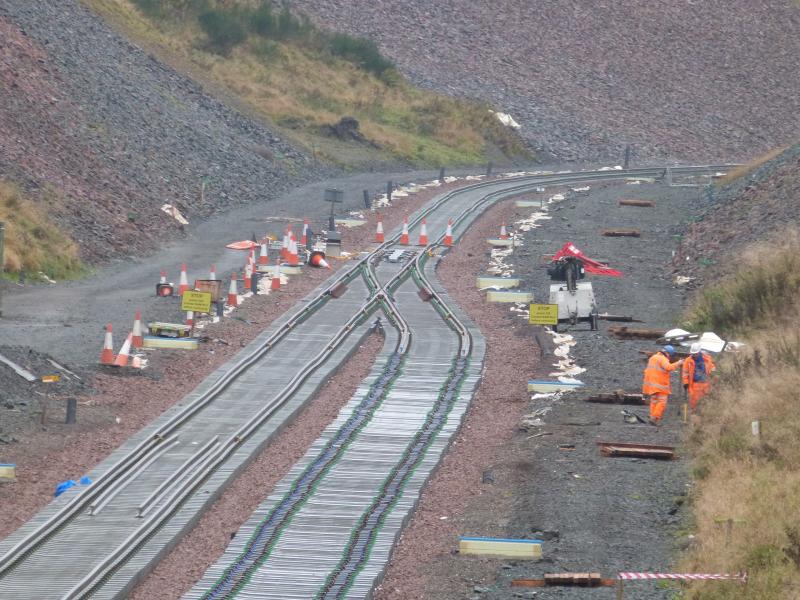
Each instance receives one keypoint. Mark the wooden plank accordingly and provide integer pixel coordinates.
(618, 397)
(498, 243)
(508, 548)
(640, 203)
(24, 373)
(625, 332)
(636, 450)
(621, 232)
(567, 579)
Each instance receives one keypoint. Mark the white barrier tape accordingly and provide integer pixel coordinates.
(684, 576)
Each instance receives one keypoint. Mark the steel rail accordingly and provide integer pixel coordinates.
(116, 472)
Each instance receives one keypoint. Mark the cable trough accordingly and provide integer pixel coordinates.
(97, 541)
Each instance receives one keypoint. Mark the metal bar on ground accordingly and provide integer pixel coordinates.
(621, 232)
(636, 450)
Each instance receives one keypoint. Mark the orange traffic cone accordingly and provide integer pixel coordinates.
(448, 236)
(107, 355)
(263, 257)
(317, 259)
(503, 232)
(423, 234)
(275, 284)
(304, 237)
(124, 352)
(190, 318)
(184, 282)
(137, 339)
(248, 281)
(233, 293)
(212, 275)
(294, 259)
(404, 235)
(163, 277)
(379, 238)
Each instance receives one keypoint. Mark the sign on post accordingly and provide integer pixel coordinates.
(199, 302)
(543, 314)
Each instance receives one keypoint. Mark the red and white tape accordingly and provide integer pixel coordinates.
(685, 576)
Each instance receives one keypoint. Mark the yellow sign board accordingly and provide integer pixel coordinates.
(51, 378)
(543, 314)
(199, 302)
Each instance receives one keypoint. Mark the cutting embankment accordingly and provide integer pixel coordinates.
(690, 80)
(746, 496)
(216, 107)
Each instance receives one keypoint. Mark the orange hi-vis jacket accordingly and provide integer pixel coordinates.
(688, 371)
(656, 375)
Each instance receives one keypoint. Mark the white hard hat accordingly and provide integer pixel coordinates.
(695, 348)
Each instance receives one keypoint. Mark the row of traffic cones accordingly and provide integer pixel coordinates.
(423, 233)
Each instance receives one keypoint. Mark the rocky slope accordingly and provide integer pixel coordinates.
(758, 206)
(104, 133)
(684, 79)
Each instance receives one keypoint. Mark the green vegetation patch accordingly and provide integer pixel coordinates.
(32, 242)
(305, 80)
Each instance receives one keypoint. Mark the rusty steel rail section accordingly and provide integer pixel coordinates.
(99, 540)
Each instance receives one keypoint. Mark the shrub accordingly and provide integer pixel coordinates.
(223, 28)
(263, 21)
(361, 51)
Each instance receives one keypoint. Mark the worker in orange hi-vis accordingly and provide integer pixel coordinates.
(656, 386)
(696, 374)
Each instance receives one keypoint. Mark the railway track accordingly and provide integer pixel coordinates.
(96, 542)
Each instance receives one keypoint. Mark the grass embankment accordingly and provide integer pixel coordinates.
(747, 495)
(745, 169)
(304, 80)
(32, 242)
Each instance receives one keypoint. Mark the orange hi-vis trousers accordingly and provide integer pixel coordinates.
(658, 405)
(697, 390)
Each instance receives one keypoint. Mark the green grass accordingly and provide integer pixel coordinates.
(746, 490)
(302, 80)
(760, 292)
(32, 242)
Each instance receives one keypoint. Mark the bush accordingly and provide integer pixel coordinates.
(361, 51)
(223, 28)
(263, 21)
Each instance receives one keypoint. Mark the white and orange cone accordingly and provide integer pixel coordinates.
(304, 237)
(294, 259)
(137, 340)
(275, 284)
(423, 234)
(317, 259)
(248, 278)
(124, 352)
(212, 274)
(263, 257)
(184, 282)
(503, 232)
(233, 293)
(404, 235)
(448, 235)
(107, 355)
(163, 278)
(379, 237)
(190, 318)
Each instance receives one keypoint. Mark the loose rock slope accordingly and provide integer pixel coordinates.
(682, 79)
(105, 134)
